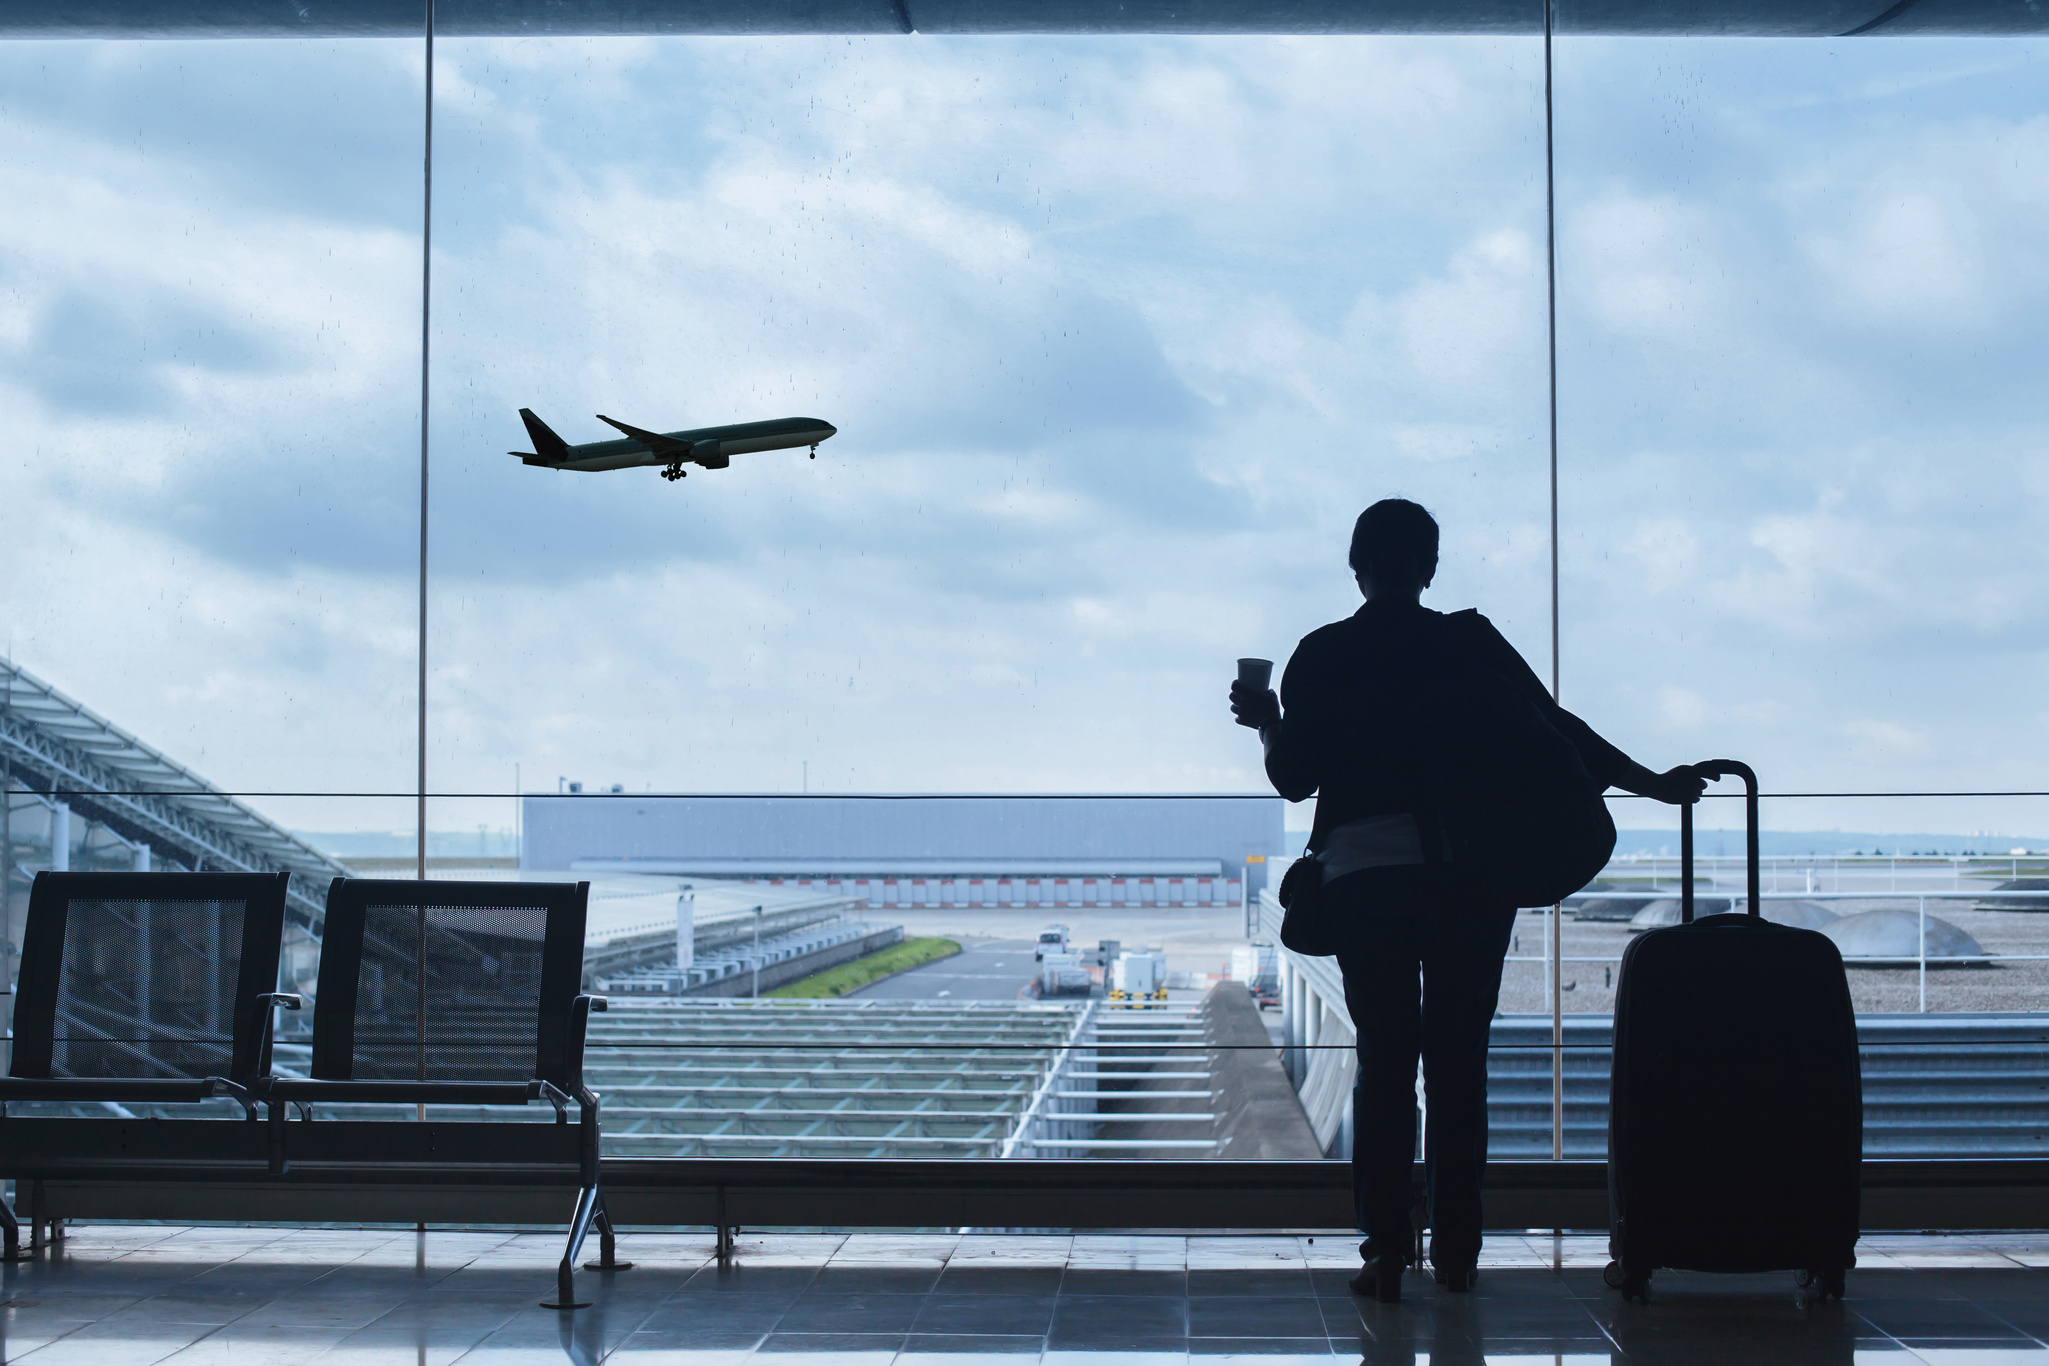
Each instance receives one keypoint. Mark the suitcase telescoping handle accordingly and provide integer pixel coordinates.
(1710, 771)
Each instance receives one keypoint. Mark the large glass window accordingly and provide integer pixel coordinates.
(1116, 336)
(206, 511)
(1798, 284)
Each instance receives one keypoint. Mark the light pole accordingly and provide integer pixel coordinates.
(757, 953)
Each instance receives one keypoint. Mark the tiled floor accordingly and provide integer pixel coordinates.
(127, 1296)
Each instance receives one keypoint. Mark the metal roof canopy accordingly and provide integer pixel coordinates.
(54, 744)
(606, 18)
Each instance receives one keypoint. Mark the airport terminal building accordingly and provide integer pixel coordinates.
(925, 851)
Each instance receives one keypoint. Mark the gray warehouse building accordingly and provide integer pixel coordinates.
(925, 851)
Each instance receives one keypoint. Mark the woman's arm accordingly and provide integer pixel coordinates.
(1288, 736)
(1607, 764)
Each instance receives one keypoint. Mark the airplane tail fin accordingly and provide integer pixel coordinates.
(547, 445)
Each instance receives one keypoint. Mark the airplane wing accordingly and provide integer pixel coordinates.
(654, 441)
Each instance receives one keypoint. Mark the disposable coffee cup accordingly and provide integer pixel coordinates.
(1256, 674)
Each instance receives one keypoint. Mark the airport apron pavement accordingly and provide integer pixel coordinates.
(984, 970)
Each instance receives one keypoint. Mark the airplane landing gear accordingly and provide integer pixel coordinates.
(814, 452)
(675, 471)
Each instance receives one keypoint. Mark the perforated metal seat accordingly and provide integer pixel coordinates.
(449, 993)
(145, 988)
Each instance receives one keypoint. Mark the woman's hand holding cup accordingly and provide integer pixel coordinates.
(1253, 702)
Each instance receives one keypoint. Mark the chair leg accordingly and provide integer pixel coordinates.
(276, 1139)
(587, 1201)
(723, 1246)
(608, 1245)
(10, 1229)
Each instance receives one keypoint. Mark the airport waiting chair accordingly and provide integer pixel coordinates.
(450, 993)
(137, 989)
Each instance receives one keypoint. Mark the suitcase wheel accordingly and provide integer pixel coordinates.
(1634, 1285)
(1823, 1284)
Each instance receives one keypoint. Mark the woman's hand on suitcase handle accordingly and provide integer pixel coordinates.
(1679, 786)
(1257, 709)
(1714, 770)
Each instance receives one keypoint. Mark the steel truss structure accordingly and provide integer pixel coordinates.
(888, 1080)
(61, 750)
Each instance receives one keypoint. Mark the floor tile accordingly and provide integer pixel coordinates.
(829, 1349)
(1083, 1280)
(854, 1279)
(367, 1297)
(732, 1311)
(635, 1353)
(1331, 1280)
(1111, 1323)
(435, 1342)
(79, 1349)
(1932, 1319)
(825, 1313)
(981, 1278)
(1255, 1280)
(1250, 1317)
(745, 1277)
(1003, 1315)
(1040, 1249)
(258, 1347)
(964, 1349)
(895, 1249)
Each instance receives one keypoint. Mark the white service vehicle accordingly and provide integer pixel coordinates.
(1052, 939)
(1061, 974)
(1258, 967)
(1139, 977)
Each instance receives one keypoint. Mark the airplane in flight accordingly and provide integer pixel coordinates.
(711, 447)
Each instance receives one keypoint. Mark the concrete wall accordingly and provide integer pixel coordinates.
(815, 836)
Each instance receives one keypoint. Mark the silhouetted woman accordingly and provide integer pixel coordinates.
(1422, 966)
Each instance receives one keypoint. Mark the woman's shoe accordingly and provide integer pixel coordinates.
(1381, 1278)
(1457, 1279)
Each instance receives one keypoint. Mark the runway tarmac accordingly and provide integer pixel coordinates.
(1194, 938)
(983, 970)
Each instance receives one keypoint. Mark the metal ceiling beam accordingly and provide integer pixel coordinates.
(587, 18)
(53, 744)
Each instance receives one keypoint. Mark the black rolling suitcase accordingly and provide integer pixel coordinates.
(1735, 1107)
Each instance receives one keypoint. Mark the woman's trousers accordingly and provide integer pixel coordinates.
(1422, 975)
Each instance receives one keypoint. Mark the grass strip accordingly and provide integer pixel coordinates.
(901, 956)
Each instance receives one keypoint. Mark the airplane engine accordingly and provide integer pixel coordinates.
(708, 454)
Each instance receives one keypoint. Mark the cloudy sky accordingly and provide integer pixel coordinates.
(1120, 336)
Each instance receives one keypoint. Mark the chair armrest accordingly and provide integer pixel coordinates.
(579, 1026)
(264, 1003)
(221, 1086)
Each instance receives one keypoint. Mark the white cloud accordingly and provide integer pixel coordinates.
(1684, 708)
(1643, 266)
(1475, 322)
(1668, 551)
(1911, 259)
(1882, 739)
(1120, 337)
